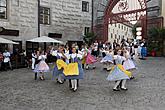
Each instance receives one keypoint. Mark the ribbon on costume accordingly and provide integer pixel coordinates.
(122, 69)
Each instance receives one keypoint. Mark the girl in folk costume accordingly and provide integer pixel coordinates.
(42, 67)
(38, 52)
(118, 73)
(59, 55)
(75, 75)
(108, 59)
(128, 64)
(90, 59)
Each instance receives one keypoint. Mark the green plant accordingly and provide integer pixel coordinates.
(156, 39)
(89, 38)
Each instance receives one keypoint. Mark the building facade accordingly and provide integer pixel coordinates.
(154, 14)
(163, 10)
(66, 20)
(118, 32)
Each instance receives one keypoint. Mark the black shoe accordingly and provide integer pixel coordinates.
(74, 90)
(104, 68)
(93, 67)
(124, 89)
(132, 77)
(116, 90)
(60, 82)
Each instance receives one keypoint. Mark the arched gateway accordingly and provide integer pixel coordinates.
(120, 11)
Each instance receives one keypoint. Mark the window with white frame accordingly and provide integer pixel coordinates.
(3, 9)
(44, 15)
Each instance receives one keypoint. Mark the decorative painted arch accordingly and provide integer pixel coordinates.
(119, 11)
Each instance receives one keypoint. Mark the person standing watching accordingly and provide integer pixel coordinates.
(6, 60)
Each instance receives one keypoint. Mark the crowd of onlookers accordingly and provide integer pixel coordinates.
(16, 59)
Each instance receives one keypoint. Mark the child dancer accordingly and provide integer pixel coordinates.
(42, 67)
(128, 64)
(90, 60)
(75, 58)
(59, 55)
(108, 59)
(118, 73)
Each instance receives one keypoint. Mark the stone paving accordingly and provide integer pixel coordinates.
(19, 90)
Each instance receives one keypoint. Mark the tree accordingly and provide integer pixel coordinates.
(89, 38)
(156, 39)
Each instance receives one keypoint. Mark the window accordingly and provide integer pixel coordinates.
(3, 9)
(44, 15)
(85, 6)
(86, 31)
(115, 36)
(119, 26)
(111, 36)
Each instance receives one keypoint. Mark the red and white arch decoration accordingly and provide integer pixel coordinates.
(119, 11)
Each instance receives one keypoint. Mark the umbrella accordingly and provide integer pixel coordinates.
(6, 41)
(45, 39)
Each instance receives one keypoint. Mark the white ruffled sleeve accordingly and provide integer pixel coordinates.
(79, 56)
(54, 53)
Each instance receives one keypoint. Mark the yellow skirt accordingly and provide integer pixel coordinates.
(69, 69)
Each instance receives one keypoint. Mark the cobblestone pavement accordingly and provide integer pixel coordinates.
(19, 90)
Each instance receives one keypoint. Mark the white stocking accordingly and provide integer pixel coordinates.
(59, 79)
(117, 84)
(123, 83)
(72, 83)
(75, 84)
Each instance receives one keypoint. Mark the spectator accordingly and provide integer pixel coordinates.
(6, 60)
